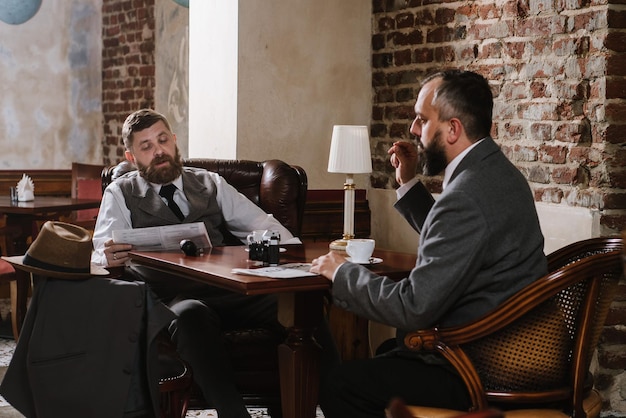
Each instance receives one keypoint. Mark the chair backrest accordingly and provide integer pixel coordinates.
(275, 186)
(86, 184)
(580, 249)
(544, 354)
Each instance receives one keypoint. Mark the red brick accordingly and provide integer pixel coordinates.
(515, 50)
(615, 201)
(576, 132)
(615, 134)
(575, 176)
(616, 87)
(402, 57)
(549, 195)
(616, 111)
(405, 20)
(552, 154)
(615, 41)
(617, 223)
(617, 18)
(618, 179)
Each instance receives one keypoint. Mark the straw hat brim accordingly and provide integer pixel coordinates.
(18, 262)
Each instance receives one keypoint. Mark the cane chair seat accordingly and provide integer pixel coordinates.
(531, 356)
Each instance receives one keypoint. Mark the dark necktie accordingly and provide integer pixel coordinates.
(167, 192)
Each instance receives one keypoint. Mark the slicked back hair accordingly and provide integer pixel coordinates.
(464, 95)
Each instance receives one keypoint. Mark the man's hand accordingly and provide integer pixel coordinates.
(404, 158)
(116, 254)
(326, 265)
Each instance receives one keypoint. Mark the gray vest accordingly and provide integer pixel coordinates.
(148, 209)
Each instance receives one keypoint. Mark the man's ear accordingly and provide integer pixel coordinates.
(129, 156)
(454, 130)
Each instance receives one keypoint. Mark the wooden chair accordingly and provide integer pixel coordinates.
(531, 356)
(86, 184)
(175, 380)
(7, 274)
(279, 189)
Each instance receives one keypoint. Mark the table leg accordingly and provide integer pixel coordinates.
(21, 228)
(19, 299)
(299, 355)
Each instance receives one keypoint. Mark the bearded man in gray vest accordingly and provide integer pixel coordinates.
(138, 199)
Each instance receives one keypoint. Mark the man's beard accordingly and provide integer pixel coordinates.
(162, 175)
(434, 156)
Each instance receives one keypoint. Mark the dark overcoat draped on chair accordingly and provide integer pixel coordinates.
(87, 349)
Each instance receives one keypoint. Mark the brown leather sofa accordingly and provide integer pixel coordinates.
(275, 186)
(280, 189)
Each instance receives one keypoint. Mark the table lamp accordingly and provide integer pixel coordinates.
(349, 154)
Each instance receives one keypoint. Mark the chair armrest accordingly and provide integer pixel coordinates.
(282, 193)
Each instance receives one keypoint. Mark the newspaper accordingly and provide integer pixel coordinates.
(284, 271)
(164, 238)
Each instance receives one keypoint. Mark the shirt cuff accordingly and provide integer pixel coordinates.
(402, 190)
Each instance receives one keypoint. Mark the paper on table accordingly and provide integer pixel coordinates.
(164, 238)
(284, 271)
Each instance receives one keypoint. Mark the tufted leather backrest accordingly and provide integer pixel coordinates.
(273, 185)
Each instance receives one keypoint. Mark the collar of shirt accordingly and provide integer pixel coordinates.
(179, 195)
(455, 163)
(178, 182)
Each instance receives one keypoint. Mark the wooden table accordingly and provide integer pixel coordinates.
(300, 305)
(21, 222)
(20, 216)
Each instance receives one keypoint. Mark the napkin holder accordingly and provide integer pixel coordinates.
(25, 189)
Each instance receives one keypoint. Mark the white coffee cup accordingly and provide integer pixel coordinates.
(360, 249)
(256, 236)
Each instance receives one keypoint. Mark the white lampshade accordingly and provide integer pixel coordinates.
(350, 150)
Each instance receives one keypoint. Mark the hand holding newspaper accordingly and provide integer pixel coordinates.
(164, 238)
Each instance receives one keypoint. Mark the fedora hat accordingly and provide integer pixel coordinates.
(61, 250)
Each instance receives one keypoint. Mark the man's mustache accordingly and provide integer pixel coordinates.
(159, 160)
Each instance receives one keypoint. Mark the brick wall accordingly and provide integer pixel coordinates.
(558, 72)
(128, 70)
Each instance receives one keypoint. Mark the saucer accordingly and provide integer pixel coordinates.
(281, 249)
(373, 260)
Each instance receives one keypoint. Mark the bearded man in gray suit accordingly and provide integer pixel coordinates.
(480, 242)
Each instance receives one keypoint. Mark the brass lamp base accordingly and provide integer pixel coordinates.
(338, 245)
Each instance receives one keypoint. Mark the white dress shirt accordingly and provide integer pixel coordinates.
(239, 212)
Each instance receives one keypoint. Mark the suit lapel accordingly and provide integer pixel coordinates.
(196, 195)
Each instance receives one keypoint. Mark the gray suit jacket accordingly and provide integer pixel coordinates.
(480, 242)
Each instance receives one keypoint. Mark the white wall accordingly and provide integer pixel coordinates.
(560, 224)
(50, 76)
(213, 74)
(301, 66)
